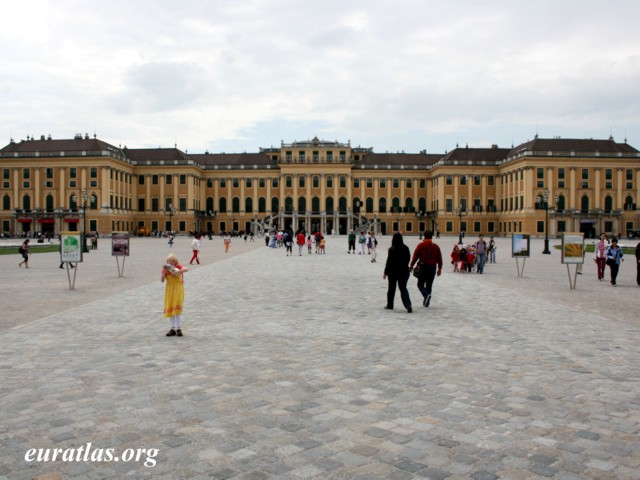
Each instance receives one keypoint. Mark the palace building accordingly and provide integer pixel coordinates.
(86, 184)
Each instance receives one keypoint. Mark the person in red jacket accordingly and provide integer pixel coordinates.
(430, 257)
(300, 241)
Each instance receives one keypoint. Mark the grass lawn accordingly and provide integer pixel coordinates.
(35, 248)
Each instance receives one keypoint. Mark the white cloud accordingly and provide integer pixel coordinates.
(404, 75)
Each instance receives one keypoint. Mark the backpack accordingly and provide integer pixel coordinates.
(20, 249)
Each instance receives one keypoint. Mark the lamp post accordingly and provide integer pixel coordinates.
(171, 212)
(543, 202)
(460, 212)
(85, 197)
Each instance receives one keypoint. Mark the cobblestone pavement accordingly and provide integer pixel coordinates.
(290, 369)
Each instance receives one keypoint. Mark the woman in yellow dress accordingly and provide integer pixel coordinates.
(174, 293)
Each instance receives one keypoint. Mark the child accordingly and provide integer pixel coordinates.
(174, 293)
(309, 243)
(322, 245)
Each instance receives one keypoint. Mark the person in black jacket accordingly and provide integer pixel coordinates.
(638, 264)
(397, 271)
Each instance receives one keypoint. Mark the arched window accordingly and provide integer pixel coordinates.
(382, 205)
(316, 181)
(422, 204)
(275, 204)
(235, 205)
(342, 204)
(395, 204)
(315, 204)
(262, 205)
(248, 205)
(223, 205)
(93, 201)
(369, 205)
(329, 202)
(628, 203)
(6, 202)
(561, 203)
(302, 204)
(73, 205)
(301, 181)
(49, 203)
(584, 203)
(288, 204)
(608, 203)
(209, 204)
(408, 203)
(355, 205)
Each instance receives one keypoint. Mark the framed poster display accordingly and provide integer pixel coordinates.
(120, 244)
(573, 248)
(71, 247)
(520, 245)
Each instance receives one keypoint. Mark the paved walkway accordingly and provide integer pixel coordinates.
(290, 368)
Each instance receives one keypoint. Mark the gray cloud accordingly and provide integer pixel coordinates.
(410, 74)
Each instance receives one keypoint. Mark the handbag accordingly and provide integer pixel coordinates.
(416, 270)
(611, 262)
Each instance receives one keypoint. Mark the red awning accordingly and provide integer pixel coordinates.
(70, 220)
(25, 220)
(46, 220)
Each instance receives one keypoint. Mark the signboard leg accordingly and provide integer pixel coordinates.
(572, 281)
(72, 282)
(520, 270)
(120, 270)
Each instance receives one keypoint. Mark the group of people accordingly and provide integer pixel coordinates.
(473, 257)
(610, 254)
(366, 240)
(286, 239)
(426, 258)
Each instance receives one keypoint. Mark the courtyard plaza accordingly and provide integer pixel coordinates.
(291, 369)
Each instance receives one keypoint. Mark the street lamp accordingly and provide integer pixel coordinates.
(460, 212)
(171, 212)
(85, 197)
(543, 202)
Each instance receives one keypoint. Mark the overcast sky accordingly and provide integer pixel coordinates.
(395, 75)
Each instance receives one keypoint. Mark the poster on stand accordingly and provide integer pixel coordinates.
(71, 247)
(521, 245)
(573, 248)
(120, 244)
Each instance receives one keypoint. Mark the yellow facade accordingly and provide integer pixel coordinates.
(316, 184)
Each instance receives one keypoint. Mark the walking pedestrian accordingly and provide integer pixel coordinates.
(171, 237)
(481, 250)
(361, 242)
(491, 251)
(638, 264)
(372, 244)
(396, 270)
(430, 257)
(614, 257)
(600, 255)
(352, 242)
(227, 242)
(195, 247)
(173, 273)
(300, 241)
(24, 252)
